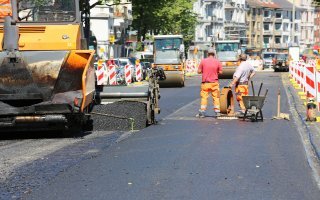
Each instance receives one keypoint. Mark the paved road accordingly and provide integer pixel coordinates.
(188, 158)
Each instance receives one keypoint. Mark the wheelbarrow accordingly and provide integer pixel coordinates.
(253, 105)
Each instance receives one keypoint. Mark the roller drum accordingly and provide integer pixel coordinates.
(173, 79)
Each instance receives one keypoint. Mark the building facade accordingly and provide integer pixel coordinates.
(109, 25)
(317, 26)
(219, 20)
(272, 25)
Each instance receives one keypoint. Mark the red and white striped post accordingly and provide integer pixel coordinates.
(101, 73)
(128, 75)
(138, 72)
(310, 82)
(112, 75)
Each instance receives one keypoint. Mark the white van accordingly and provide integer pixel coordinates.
(143, 55)
(267, 59)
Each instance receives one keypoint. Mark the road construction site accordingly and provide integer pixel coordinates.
(180, 157)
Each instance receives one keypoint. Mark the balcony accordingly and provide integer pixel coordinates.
(278, 32)
(278, 20)
(230, 5)
(207, 19)
(267, 32)
(267, 19)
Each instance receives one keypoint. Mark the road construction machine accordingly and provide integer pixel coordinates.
(47, 75)
(228, 51)
(169, 55)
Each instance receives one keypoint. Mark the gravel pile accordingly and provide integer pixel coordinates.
(117, 111)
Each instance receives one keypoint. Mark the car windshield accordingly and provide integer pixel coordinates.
(282, 56)
(227, 46)
(46, 10)
(268, 55)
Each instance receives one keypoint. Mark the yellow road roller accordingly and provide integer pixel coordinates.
(169, 55)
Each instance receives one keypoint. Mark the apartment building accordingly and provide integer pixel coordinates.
(307, 22)
(219, 19)
(317, 26)
(270, 25)
(109, 25)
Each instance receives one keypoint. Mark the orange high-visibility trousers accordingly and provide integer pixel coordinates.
(241, 90)
(214, 89)
(5, 8)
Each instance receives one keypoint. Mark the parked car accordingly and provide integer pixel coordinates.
(267, 59)
(280, 62)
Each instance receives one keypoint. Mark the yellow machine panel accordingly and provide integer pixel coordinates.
(48, 37)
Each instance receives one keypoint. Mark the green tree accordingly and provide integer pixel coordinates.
(164, 17)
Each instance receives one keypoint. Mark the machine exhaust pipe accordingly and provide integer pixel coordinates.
(39, 119)
(124, 95)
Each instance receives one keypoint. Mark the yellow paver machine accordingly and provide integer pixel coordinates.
(46, 80)
(47, 77)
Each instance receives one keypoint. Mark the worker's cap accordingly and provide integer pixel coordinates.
(211, 50)
(243, 56)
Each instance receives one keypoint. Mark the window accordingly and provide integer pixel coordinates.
(266, 40)
(278, 26)
(47, 11)
(278, 15)
(266, 13)
(266, 27)
(277, 40)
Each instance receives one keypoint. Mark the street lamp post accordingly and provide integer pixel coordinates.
(293, 19)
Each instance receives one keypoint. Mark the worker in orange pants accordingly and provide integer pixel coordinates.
(241, 78)
(209, 67)
(206, 89)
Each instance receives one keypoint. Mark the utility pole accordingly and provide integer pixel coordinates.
(293, 19)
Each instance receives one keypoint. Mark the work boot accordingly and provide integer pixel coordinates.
(201, 114)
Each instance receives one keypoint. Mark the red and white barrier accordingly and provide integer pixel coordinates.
(112, 75)
(128, 75)
(310, 81)
(189, 66)
(307, 76)
(101, 73)
(138, 72)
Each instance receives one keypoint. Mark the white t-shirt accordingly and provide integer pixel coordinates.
(243, 71)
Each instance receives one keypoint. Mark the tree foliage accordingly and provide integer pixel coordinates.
(164, 17)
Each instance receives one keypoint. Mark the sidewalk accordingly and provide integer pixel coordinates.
(311, 130)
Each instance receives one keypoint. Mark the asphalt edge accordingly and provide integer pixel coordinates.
(309, 132)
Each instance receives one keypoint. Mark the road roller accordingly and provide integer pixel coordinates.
(227, 52)
(169, 56)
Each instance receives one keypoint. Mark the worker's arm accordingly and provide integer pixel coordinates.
(200, 68)
(234, 81)
(252, 74)
(220, 68)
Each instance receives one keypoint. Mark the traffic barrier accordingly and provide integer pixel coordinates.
(310, 79)
(190, 67)
(101, 73)
(138, 72)
(128, 75)
(112, 75)
(306, 76)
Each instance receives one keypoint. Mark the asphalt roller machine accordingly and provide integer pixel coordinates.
(47, 82)
(169, 56)
(47, 78)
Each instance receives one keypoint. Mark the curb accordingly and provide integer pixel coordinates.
(299, 99)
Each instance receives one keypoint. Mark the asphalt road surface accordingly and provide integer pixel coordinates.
(182, 157)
